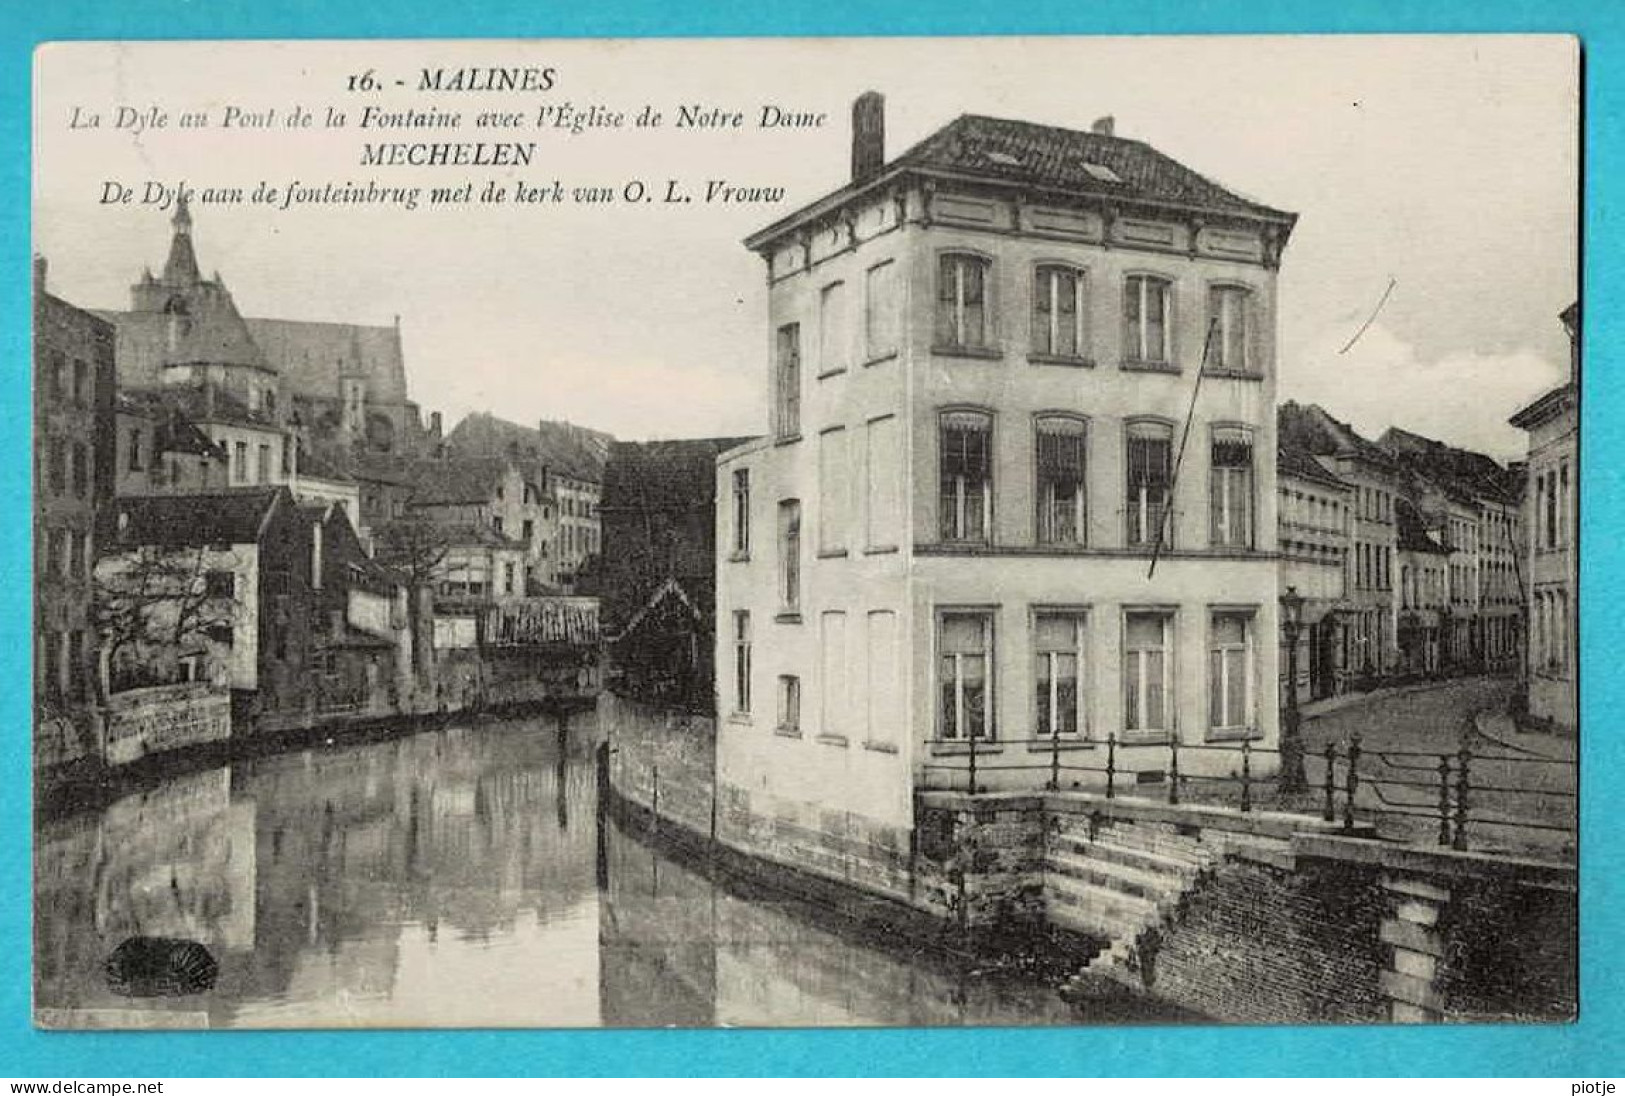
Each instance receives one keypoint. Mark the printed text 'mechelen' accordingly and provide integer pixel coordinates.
(452, 153)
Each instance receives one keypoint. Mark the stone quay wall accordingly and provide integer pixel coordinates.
(1257, 917)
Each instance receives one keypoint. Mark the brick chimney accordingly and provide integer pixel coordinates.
(868, 135)
(1105, 126)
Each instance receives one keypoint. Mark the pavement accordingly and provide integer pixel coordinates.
(1499, 728)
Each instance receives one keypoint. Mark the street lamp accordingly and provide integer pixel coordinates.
(1292, 778)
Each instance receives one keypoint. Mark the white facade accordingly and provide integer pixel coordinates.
(952, 522)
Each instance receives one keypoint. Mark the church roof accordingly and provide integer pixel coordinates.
(313, 357)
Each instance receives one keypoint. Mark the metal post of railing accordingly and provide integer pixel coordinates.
(1111, 764)
(1329, 813)
(1352, 785)
(1444, 799)
(654, 800)
(973, 762)
(1173, 771)
(1246, 775)
(1054, 762)
(1463, 758)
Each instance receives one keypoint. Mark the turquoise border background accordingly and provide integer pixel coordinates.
(1568, 1051)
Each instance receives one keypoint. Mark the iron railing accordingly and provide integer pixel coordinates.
(1413, 795)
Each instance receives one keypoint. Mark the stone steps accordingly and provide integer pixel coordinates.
(1137, 882)
(1104, 848)
(1098, 910)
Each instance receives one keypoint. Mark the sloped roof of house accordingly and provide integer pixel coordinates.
(1030, 154)
(1462, 473)
(663, 474)
(455, 481)
(235, 516)
(1050, 156)
(1312, 428)
(570, 450)
(1291, 460)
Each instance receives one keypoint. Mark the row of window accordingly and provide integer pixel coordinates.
(1060, 469)
(63, 554)
(1554, 506)
(63, 675)
(1552, 630)
(1061, 702)
(1421, 587)
(1309, 511)
(65, 383)
(964, 322)
(1373, 566)
(65, 464)
(1374, 504)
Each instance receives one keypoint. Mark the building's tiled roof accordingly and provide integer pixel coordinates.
(220, 517)
(1053, 158)
(1290, 460)
(1461, 473)
(455, 481)
(474, 534)
(663, 474)
(1049, 156)
(1311, 428)
(312, 357)
(566, 449)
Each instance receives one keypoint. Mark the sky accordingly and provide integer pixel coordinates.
(1445, 166)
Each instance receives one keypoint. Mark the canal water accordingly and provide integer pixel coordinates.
(458, 877)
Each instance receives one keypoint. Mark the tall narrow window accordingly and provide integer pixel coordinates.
(59, 465)
(836, 706)
(1146, 673)
(1146, 307)
(265, 464)
(1231, 490)
(1230, 673)
(967, 475)
(883, 473)
(789, 704)
(880, 313)
(239, 462)
(1058, 674)
(1059, 312)
(834, 330)
(1565, 505)
(135, 449)
(787, 401)
(742, 662)
(1150, 469)
(742, 511)
(81, 375)
(81, 470)
(1060, 445)
(962, 301)
(964, 646)
(834, 490)
(1230, 316)
(1551, 510)
(790, 554)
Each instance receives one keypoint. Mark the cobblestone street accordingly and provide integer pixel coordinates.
(1521, 786)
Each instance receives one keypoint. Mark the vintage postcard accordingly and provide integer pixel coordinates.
(805, 532)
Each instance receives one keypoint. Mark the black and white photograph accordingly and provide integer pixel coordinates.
(803, 533)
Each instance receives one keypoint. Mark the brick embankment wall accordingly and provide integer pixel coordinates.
(1255, 943)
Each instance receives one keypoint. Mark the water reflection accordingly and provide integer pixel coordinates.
(453, 878)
